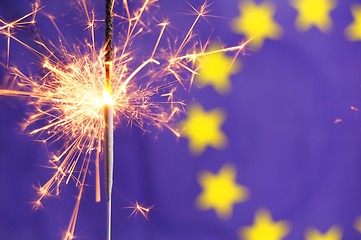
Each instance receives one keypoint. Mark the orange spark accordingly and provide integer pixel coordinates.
(144, 211)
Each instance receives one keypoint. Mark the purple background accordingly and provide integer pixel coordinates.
(288, 151)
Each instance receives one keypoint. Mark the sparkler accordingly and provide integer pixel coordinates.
(84, 89)
(108, 112)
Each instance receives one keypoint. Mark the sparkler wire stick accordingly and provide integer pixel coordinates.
(108, 112)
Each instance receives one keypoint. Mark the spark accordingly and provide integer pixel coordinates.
(67, 101)
(144, 211)
(338, 120)
(353, 108)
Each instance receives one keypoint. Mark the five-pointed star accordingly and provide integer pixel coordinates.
(220, 191)
(353, 31)
(333, 233)
(203, 129)
(256, 21)
(215, 69)
(314, 13)
(264, 228)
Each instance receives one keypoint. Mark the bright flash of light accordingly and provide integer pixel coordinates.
(67, 101)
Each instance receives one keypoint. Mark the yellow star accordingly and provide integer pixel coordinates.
(353, 31)
(264, 228)
(256, 21)
(203, 129)
(220, 191)
(215, 69)
(333, 234)
(314, 13)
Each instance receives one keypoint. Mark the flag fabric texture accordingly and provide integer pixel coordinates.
(270, 145)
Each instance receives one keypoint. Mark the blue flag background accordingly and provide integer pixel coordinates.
(292, 126)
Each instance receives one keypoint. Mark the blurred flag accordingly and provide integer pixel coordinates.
(270, 146)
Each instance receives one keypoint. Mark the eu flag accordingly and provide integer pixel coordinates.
(270, 145)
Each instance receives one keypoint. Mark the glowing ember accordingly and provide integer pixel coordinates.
(144, 211)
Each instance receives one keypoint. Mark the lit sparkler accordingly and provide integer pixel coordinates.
(70, 97)
(109, 112)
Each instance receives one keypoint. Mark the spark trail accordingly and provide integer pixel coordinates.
(68, 99)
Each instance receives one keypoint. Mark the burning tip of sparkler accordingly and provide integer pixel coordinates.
(107, 98)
